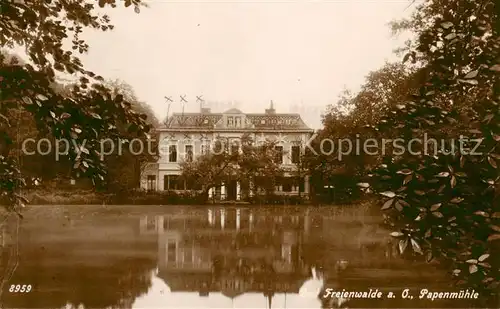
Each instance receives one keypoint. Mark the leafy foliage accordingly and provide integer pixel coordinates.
(446, 203)
(253, 166)
(125, 167)
(348, 124)
(89, 111)
(442, 199)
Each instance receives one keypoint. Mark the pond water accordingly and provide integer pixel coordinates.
(212, 257)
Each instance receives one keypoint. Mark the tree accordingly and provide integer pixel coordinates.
(340, 158)
(21, 127)
(52, 167)
(258, 165)
(211, 169)
(254, 167)
(445, 204)
(91, 112)
(120, 175)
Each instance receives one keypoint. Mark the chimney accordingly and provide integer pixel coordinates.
(271, 110)
(203, 110)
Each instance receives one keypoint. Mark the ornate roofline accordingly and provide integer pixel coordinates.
(246, 114)
(253, 122)
(215, 130)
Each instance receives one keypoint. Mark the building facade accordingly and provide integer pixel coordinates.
(186, 136)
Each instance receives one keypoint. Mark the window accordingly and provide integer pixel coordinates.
(172, 153)
(217, 147)
(235, 148)
(287, 184)
(295, 184)
(286, 253)
(173, 182)
(204, 149)
(151, 183)
(279, 154)
(237, 122)
(295, 154)
(230, 121)
(278, 186)
(189, 153)
(171, 251)
(300, 182)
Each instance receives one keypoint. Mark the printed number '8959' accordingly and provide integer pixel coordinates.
(17, 288)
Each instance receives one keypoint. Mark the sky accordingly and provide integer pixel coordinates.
(299, 54)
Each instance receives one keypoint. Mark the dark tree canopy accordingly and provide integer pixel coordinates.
(253, 166)
(443, 205)
(90, 110)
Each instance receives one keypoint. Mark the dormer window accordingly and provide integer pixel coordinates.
(234, 118)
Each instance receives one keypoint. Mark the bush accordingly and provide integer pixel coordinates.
(274, 199)
(159, 198)
(88, 197)
(73, 197)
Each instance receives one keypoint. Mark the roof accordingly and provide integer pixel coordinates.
(252, 122)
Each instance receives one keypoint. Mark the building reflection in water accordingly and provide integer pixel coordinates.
(214, 258)
(231, 252)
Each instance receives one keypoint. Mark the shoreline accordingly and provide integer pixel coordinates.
(48, 196)
(362, 211)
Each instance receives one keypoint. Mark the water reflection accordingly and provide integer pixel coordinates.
(161, 295)
(221, 257)
(231, 252)
(94, 263)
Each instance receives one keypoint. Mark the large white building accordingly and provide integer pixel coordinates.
(187, 135)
